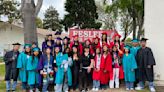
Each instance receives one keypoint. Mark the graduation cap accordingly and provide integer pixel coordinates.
(105, 44)
(96, 38)
(58, 33)
(135, 40)
(16, 44)
(35, 49)
(66, 38)
(27, 45)
(144, 39)
(127, 47)
(57, 46)
(76, 46)
(88, 40)
(98, 47)
(58, 38)
(104, 33)
(75, 36)
(115, 35)
(49, 35)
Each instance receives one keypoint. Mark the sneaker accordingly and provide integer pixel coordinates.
(93, 89)
(138, 88)
(83, 90)
(131, 88)
(127, 89)
(152, 89)
(96, 89)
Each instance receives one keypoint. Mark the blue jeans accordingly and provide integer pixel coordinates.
(96, 84)
(8, 85)
(45, 86)
(24, 85)
(142, 84)
(34, 86)
(129, 85)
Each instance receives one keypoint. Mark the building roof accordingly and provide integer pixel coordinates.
(40, 31)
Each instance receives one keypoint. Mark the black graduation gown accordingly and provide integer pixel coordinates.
(144, 58)
(10, 65)
(75, 72)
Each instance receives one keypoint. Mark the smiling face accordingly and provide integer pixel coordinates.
(143, 43)
(57, 49)
(48, 50)
(49, 38)
(27, 49)
(16, 47)
(74, 49)
(36, 53)
(117, 38)
(105, 48)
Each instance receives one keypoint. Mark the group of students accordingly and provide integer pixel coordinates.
(70, 65)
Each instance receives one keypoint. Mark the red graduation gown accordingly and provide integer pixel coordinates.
(96, 74)
(106, 64)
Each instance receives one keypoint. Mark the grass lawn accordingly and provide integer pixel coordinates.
(2, 70)
(1, 59)
(3, 86)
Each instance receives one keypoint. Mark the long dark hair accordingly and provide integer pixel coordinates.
(105, 38)
(35, 56)
(119, 43)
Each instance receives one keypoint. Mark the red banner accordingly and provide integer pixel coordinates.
(89, 33)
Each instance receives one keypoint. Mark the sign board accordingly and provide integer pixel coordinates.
(90, 34)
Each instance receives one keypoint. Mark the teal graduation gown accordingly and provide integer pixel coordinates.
(22, 65)
(33, 74)
(134, 50)
(129, 66)
(60, 72)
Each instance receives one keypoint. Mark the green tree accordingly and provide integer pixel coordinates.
(51, 19)
(132, 8)
(81, 13)
(9, 8)
(39, 23)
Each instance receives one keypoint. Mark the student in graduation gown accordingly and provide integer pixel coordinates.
(23, 58)
(58, 43)
(104, 39)
(135, 47)
(105, 67)
(75, 67)
(96, 43)
(96, 69)
(116, 41)
(117, 67)
(129, 66)
(11, 72)
(66, 42)
(76, 42)
(33, 74)
(49, 42)
(86, 66)
(63, 76)
(87, 43)
(46, 69)
(145, 62)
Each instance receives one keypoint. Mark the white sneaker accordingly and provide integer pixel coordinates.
(131, 88)
(127, 89)
(31, 90)
(96, 89)
(152, 89)
(138, 88)
(93, 89)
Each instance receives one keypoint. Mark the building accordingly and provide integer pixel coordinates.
(11, 33)
(154, 26)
